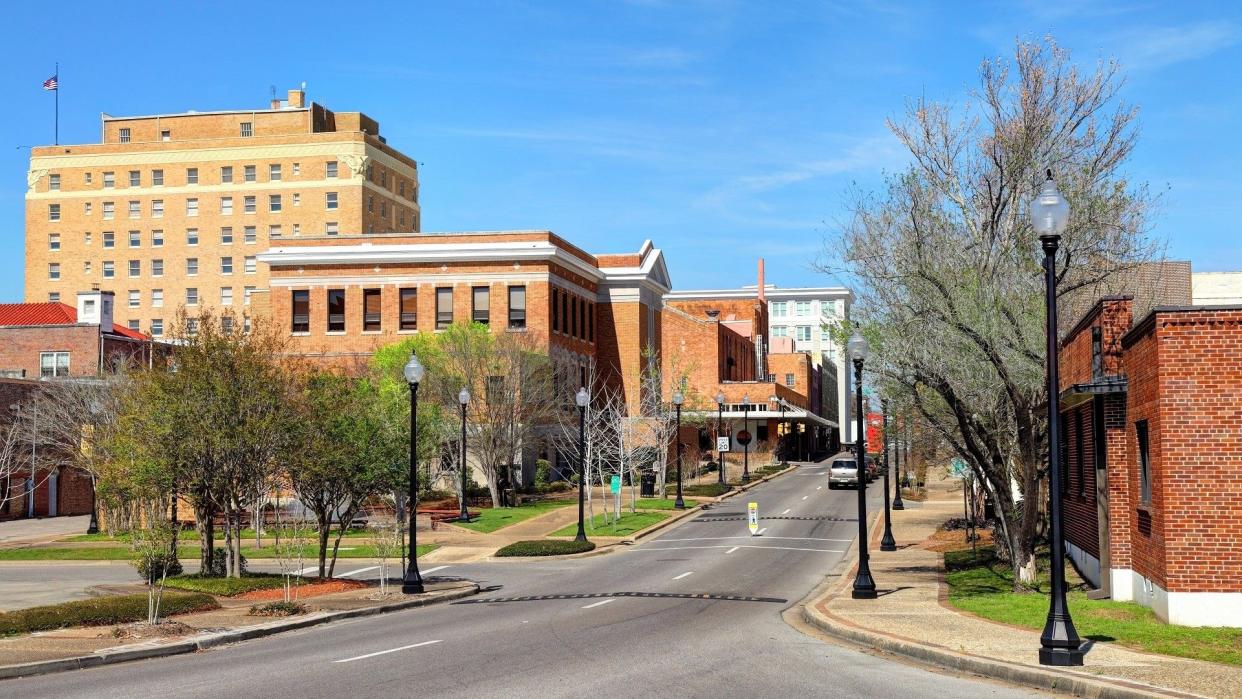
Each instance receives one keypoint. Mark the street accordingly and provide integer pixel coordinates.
(631, 623)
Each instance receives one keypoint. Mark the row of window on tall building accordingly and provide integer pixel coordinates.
(573, 315)
(225, 175)
(371, 316)
(107, 268)
(250, 205)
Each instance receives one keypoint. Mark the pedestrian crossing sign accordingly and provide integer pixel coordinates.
(752, 517)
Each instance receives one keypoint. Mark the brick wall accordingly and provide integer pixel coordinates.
(1080, 516)
(1142, 364)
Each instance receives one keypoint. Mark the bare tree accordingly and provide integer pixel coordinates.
(947, 265)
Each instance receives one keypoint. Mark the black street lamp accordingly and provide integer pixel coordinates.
(464, 399)
(887, 543)
(1059, 643)
(745, 444)
(581, 398)
(678, 399)
(864, 584)
(897, 502)
(413, 582)
(780, 424)
(720, 399)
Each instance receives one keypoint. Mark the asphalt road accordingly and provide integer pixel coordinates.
(627, 624)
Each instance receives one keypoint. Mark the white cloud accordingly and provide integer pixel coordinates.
(1152, 48)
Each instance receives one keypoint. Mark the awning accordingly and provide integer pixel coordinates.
(1080, 393)
(791, 415)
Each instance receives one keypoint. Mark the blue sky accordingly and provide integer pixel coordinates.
(721, 130)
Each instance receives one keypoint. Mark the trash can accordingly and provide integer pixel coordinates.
(646, 485)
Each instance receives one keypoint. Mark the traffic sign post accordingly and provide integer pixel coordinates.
(722, 444)
(752, 517)
(615, 485)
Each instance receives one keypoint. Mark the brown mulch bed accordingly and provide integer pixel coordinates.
(326, 587)
(943, 541)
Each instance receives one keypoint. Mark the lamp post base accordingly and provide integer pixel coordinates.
(888, 543)
(679, 504)
(899, 505)
(412, 586)
(1061, 657)
(864, 586)
(863, 594)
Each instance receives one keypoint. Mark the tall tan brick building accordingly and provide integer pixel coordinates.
(174, 209)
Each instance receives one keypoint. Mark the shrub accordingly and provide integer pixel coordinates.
(545, 547)
(100, 611)
(710, 490)
(219, 566)
(226, 587)
(157, 566)
(278, 609)
(543, 472)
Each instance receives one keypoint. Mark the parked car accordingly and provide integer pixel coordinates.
(842, 471)
(872, 470)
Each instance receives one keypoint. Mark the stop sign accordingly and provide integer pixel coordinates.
(743, 438)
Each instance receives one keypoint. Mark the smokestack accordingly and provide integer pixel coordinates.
(761, 294)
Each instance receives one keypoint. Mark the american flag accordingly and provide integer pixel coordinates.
(50, 83)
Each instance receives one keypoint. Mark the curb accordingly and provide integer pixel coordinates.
(44, 667)
(597, 551)
(1048, 680)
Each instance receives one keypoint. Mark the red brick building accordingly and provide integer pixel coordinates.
(55, 340)
(1152, 457)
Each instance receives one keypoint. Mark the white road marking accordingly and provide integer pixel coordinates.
(804, 497)
(684, 575)
(786, 511)
(601, 603)
(761, 531)
(306, 570)
(432, 570)
(726, 538)
(819, 487)
(386, 652)
(734, 548)
(356, 572)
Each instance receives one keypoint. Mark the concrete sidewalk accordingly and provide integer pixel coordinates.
(912, 617)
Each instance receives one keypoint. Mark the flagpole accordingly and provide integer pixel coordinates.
(56, 133)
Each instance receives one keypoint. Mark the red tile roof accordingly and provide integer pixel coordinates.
(52, 313)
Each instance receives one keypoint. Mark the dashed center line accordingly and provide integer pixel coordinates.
(601, 603)
(819, 487)
(786, 511)
(804, 497)
(386, 652)
(684, 575)
(733, 549)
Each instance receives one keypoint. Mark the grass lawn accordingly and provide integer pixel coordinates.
(630, 523)
(227, 587)
(490, 519)
(192, 535)
(984, 586)
(664, 503)
(122, 553)
(100, 611)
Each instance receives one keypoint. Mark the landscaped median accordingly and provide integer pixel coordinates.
(100, 611)
(610, 526)
(123, 553)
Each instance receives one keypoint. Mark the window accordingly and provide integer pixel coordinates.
(165, 135)
(273, 203)
(53, 270)
(191, 266)
(135, 325)
(53, 212)
(330, 228)
(370, 203)
(330, 169)
(226, 265)
(135, 268)
(53, 364)
(274, 231)
(336, 310)
(157, 178)
(109, 269)
(246, 295)
(371, 310)
(53, 241)
(191, 326)
(444, 307)
(246, 325)
(157, 327)
(371, 172)
(517, 307)
(297, 169)
(297, 199)
(383, 178)
(86, 208)
(401, 187)
(109, 180)
(1078, 446)
(247, 129)
(573, 316)
(86, 267)
(779, 309)
(301, 311)
(191, 236)
(226, 235)
(383, 209)
(1140, 429)
(780, 331)
(226, 296)
(135, 178)
(124, 134)
(191, 207)
(86, 178)
(109, 239)
(86, 238)
(591, 321)
(226, 324)
(135, 209)
(273, 173)
(226, 206)
(480, 302)
(804, 333)
(191, 175)
(135, 239)
(157, 239)
(53, 297)
(249, 173)
(331, 197)
(226, 174)
(157, 298)
(409, 309)
(802, 308)
(135, 298)
(249, 205)
(249, 264)
(790, 380)
(825, 335)
(251, 234)
(53, 182)
(191, 296)
(157, 208)
(157, 268)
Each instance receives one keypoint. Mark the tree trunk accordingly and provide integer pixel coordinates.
(206, 537)
(325, 527)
